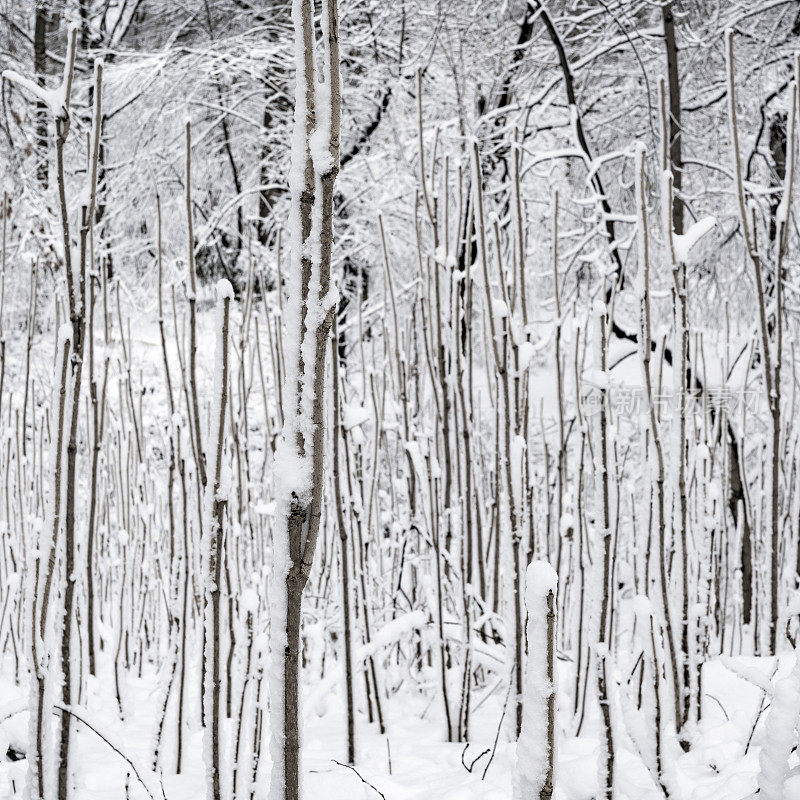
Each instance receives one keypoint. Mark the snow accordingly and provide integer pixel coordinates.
(54, 99)
(499, 308)
(516, 457)
(224, 289)
(354, 415)
(526, 352)
(533, 749)
(686, 242)
(540, 580)
(249, 600)
(423, 765)
(318, 143)
(780, 736)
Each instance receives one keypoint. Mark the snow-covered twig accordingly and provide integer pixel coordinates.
(146, 778)
(361, 777)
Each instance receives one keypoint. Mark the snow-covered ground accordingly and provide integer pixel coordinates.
(412, 761)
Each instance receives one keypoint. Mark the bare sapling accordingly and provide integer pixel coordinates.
(216, 509)
(770, 352)
(77, 313)
(58, 102)
(678, 248)
(308, 313)
(191, 294)
(347, 645)
(39, 583)
(603, 516)
(658, 472)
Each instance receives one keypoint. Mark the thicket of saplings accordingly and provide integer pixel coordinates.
(447, 475)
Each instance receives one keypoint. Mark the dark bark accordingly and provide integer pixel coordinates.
(295, 582)
(674, 126)
(346, 633)
(41, 25)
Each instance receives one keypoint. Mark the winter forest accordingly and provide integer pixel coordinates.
(399, 400)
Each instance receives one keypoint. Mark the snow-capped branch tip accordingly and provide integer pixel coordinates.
(224, 290)
(642, 607)
(684, 243)
(640, 158)
(540, 580)
(64, 334)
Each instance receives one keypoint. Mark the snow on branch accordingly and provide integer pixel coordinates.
(57, 99)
